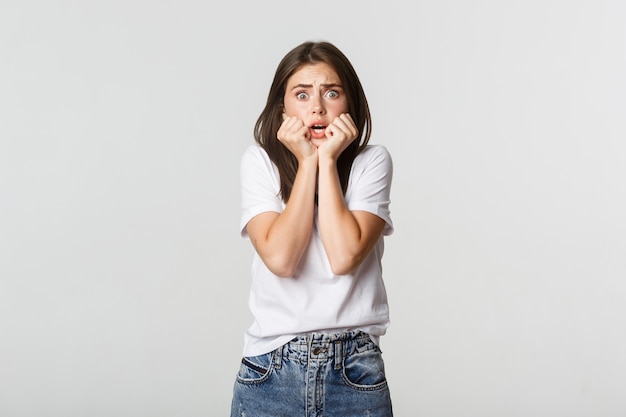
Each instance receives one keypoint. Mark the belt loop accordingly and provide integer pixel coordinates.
(338, 354)
(278, 357)
(309, 344)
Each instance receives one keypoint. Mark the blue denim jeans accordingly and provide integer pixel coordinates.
(319, 375)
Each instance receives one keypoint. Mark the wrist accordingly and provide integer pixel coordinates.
(309, 162)
(326, 162)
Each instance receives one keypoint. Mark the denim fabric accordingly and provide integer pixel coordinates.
(318, 375)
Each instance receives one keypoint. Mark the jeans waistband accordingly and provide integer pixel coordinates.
(325, 346)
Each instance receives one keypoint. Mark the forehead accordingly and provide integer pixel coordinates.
(312, 74)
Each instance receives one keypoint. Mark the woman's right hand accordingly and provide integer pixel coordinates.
(296, 137)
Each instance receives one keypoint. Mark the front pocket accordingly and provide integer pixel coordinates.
(255, 369)
(365, 370)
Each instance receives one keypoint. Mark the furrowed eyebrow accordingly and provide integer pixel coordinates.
(311, 86)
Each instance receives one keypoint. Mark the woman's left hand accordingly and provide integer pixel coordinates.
(340, 134)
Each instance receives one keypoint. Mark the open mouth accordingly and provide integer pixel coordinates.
(318, 128)
(318, 131)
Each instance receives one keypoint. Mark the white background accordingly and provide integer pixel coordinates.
(123, 279)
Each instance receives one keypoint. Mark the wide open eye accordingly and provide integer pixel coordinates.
(332, 94)
(302, 95)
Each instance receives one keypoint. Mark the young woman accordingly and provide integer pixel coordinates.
(315, 206)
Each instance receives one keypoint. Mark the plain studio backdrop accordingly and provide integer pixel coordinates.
(123, 278)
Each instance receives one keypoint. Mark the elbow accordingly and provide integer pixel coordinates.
(344, 266)
(343, 270)
(283, 272)
(283, 264)
(281, 268)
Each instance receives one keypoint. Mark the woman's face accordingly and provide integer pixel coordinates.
(314, 94)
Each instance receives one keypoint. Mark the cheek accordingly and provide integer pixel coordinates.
(340, 104)
(337, 107)
(293, 108)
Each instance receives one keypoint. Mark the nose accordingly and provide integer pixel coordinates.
(317, 106)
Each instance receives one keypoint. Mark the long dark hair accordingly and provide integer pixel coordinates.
(271, 117)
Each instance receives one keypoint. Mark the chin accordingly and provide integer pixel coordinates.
(318, 142)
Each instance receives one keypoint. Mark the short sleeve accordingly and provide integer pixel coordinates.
(260, 186)
(369, 187)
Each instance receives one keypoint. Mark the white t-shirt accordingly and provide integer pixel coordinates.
(314, 299)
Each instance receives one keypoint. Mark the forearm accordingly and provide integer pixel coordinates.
(282, 242)
(340, 231)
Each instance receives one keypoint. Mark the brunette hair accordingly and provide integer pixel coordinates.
(271, 118)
